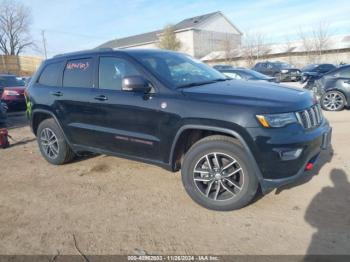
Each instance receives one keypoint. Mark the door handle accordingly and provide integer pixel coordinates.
(101, 98)
(59, 93)
(347, 81)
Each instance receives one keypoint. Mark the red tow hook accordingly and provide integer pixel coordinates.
(309, 166)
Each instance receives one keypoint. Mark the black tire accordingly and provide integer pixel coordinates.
(64, 152)
(224, 147)
(338, 104)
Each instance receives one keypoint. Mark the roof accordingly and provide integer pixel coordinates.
(133, 40)
(194, 22)
(335, 43)
(96, 51)
(150, 37)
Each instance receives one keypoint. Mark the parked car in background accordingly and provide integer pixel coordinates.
(247, 74)
(223, 67)
(13, 91)
(312, 72)
(334, 89)
(280, 70)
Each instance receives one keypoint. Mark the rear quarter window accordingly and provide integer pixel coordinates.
(50, 74)
(78, 73)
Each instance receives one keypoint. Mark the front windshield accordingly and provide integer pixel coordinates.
(254, 74)
(309, 67)
(284, 65)
(177, 69)
(10, 81)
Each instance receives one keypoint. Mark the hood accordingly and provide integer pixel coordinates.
(270, 97)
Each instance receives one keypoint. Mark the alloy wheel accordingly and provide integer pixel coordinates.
(218, 176)
(49, 143)
(333, 101)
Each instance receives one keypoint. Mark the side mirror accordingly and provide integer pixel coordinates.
(135, 84)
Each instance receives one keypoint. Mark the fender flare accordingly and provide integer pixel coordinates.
(54, 117)
(222, 130)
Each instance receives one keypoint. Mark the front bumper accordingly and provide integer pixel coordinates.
(276, 171)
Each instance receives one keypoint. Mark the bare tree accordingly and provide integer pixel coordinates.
(307, 44)
(15, 21)
(229, 48)
(168, 39)
(322, 37)
(288, 49)
(254, 47)
(316, 41)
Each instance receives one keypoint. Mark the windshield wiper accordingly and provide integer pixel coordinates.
(203, 83)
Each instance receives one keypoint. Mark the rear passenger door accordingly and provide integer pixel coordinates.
(76, 107)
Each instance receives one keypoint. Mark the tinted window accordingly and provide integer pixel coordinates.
(310, 67)
(326, 67)
(78, 73)
(232, 75)
(344, 72)
(283, 65)
(177, 69)
(112, 70)
(10, 81)
(50, 74)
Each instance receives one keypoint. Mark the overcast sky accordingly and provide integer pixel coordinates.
(82, 24)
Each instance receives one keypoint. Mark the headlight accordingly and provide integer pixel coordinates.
(277, 120)
(284, 71)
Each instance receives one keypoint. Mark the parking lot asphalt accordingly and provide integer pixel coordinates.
(111, 205)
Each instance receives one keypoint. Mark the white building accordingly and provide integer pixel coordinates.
(199, 36)
(337, 51)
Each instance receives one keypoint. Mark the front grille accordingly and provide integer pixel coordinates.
(311, 117)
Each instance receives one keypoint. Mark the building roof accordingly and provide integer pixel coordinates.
(334, 43)
(150, 37)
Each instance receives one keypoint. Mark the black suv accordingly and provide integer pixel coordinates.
(281, 71)
(229, 138)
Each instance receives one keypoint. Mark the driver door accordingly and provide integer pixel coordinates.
(131, 119)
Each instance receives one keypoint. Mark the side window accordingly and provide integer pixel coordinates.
(112, 70)
(49, 76)
(233, 75)
(269, 66)
(78, 73)
(345, 72)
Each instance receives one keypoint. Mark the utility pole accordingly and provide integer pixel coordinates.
(44, 42)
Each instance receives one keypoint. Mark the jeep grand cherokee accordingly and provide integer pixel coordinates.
(228, 137)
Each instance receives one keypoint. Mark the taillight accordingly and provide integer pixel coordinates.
(10, 93)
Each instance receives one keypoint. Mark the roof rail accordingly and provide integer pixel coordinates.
(85, 51)
(105, 48)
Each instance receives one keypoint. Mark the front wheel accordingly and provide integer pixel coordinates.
(333, 101)
(217, 175)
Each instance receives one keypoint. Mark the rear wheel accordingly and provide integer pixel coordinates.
(333, 101)
(216, 174)
(52, 143)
